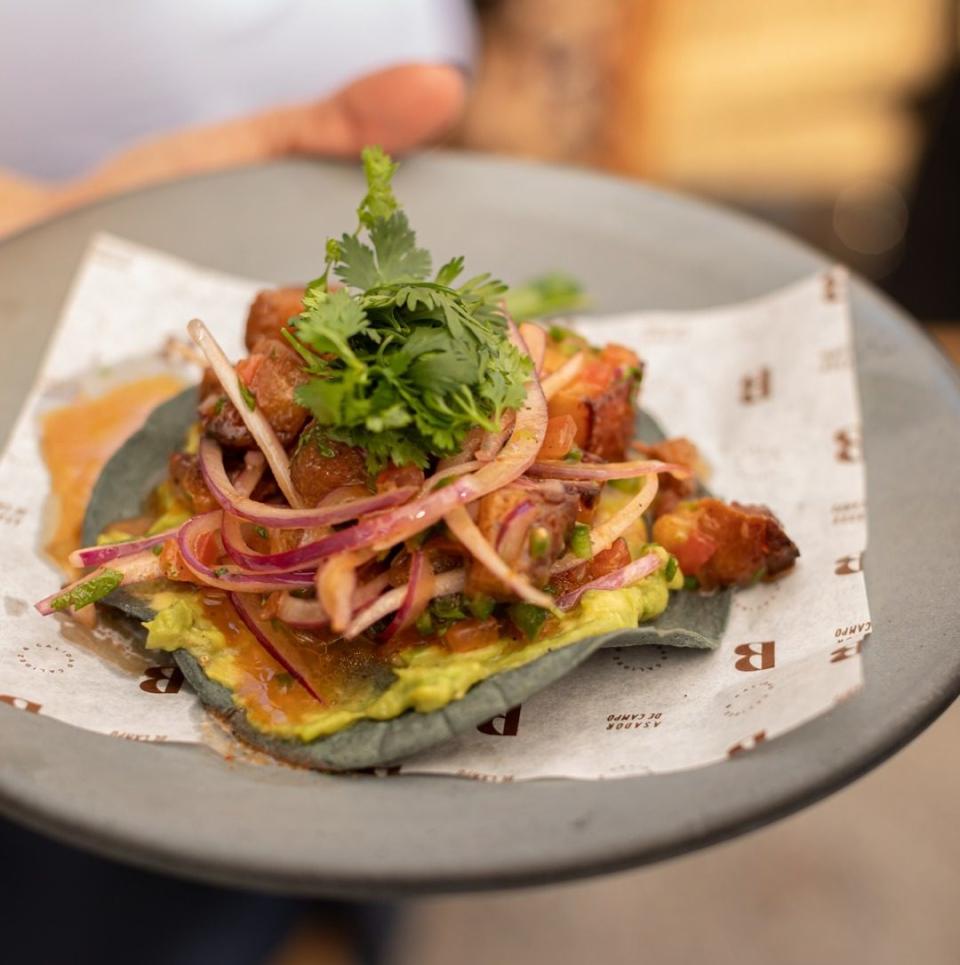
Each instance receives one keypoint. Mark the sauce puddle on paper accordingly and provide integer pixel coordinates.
(76, 441)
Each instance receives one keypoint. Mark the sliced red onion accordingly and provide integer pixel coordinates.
(493, 441)
(386, 529)
(420, 590)
(231, 578)
(369, 591)
(443, 584)
(564, 375)
(302, 614)
(245, 483)
(467, 453)
(310, 614)
(513, 529)
(282, 517)
(239, 550)
(336, 583)
(246, 610)
(603, 536)
(465, 529)
(535, 339)
(138, 568)
(626, 576)
(250, 475)
(253, 419)
(449, 472)
(343, 495)
(561, 469)
(98, 555)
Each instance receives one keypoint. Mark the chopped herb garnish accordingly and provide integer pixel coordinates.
(691, 583)
(574, 455)
(539, 542)
(544, 296)
(284, 679)
(157, 550)
(220, 403)
(83, 594)
(481, 606)
(249, 399)
(261, 531)
(403, 365)
(424, 624)
(670, 570)
(580, 541)
(220, 571)
(448, 608)
(527, 618)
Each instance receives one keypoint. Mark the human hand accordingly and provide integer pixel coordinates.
(399, 108)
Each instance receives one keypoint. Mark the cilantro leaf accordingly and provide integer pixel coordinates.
(328, 322)
(449, 272)
(547, 295)
(357, 266)
(398, 257)
(402, 366)
(379, 201)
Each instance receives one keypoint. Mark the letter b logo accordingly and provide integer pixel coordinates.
(756, 656)
(503, 725)
(162, 680)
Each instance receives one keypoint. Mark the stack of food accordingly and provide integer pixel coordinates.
(403, 511)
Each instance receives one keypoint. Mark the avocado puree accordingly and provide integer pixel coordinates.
(354, 678)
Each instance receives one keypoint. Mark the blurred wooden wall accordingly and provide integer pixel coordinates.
(752, 99)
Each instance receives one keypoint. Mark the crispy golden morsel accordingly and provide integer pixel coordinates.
(270, 312)
(725, 544)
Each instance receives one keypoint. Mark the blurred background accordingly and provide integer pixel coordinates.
(840, 123)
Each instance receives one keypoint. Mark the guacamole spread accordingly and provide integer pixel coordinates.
(354, 677)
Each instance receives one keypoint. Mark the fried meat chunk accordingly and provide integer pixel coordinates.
(725, 544)
(528, 525)
(270, 312)
(271, 374)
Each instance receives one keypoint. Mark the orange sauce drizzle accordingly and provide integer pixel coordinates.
(267, 692)
(77, 439)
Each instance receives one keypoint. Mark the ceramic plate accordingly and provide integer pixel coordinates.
(184, 810)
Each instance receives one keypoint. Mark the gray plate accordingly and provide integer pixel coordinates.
(184, 810)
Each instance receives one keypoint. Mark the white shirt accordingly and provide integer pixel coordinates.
(82, 79)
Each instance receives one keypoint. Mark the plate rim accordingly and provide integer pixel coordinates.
(52, 820)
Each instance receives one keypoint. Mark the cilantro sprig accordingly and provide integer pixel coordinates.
(403, 364)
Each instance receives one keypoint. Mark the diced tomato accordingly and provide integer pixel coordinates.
(695, 553)
(558, 441)
(606, 561)
(679, 534)
(247, 368)
(472, 634)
